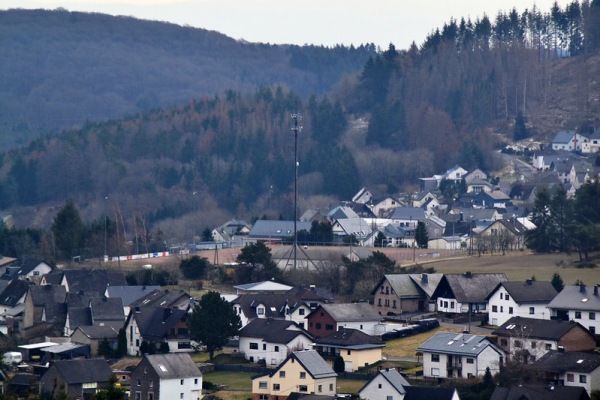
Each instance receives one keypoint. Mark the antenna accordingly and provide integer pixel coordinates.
(296, 129)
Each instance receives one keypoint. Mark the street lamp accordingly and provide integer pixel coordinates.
(105, 220)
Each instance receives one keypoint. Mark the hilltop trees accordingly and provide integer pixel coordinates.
(68, 230)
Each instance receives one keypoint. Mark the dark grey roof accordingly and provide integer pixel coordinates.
(408, 213)
(79, 316)
(98, 332)
(14, 292)
(468, 287)
(173, 365)
(529, 291)
(104, 309)
(83, 370)
(23, 379)
(276, 229)
(154, 323)
(429, 393)
(350, 338)
(540, 392)
(314, 364)
(95, 280)
(274, 303)
(163, 298)
(54, 277)
(45, 294)
(347, 312)
(130, 293)
(572, 361)
(453, 343)
(576, 298)
(29, 264)
(563, 137)
(273, 330)
(411, 285)
(537, 328)
(394, 378)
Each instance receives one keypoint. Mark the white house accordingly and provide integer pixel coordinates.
(459, 293)
(272, 340)
(389, 384)
(580, 304)
(166, 377)
(571, 368)
(451, 355)
(520, 299)
(569, 140)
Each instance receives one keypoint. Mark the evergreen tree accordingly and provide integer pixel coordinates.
(421, 236)
(256, 264)
(339, 365)
(194, 267)
(104, 348)
(557, 282)
(213, 322)
(121, 343)
(68, 229)
(543, 238)
(520, 130)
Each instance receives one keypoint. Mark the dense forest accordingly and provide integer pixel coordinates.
(405, 114)
(62, 68)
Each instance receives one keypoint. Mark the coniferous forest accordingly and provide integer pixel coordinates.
(168, 135)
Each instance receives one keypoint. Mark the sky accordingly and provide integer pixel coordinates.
(319, 22)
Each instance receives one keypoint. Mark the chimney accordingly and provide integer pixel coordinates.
(582, 287)
(424, 278)
(561, 349)
(468, 274)
(461, 217)
(596, 290)
(529, 282)
(166, 314)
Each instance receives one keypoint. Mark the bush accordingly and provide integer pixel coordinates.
(194, 267)
(339, 365)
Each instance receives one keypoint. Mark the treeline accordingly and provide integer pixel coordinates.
(62, 68)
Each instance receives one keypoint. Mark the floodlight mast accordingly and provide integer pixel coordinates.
(296, 129)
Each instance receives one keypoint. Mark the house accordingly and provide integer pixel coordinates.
(328, 318)
(272, 340)
(163, 298)
(407, 216)
(166, 377)
(44, 311)
(305, 372)
(89, 280)
(451, 355)
(382, 206)
(493, 199)
(461, 293)
(229, 230)
(447, 243)
(262, 287)
(435, 227)
(80, 378)
(523, 299)
(476, 174)
(362, 196)
(528, 339)
(571, 368)
(160, 326)
(356, 348)
(539, 392)
(421, 198)
(13, 297)
(456, 173)
(275, 230)
(358, 228)
(398, 293)
(260, 305)
(311, 215)
(129, 294)
(29, 268)
(580, 304)
(94, 336)
(569, 140)
(389, 384)
(593, 146)
(503, 235)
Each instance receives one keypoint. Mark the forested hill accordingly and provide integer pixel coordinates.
(62, 68)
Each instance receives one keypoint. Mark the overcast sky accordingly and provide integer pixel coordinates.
(326, 22)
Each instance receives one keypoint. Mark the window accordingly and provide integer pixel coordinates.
(435, 372)
(138, 396)
(582, 378)
(139, 382)
(302, 375)
(150, 396)
(533, 345)
(592, 330)
(494, 308)
(394, 304)
(349, 352)
(531, 310)
(320, 388)
(262, 385)
(263, 397)
(379, 386)
(282, 374)
(379, 302)
(441, 303)
(260, 311)
(577, 314)
(264, 346)
(445, 304)
(328, 327)
(276, 387)
(507, 297)
(389, 398)
(318, 325)
(301, 311)
(151, 383)
(276, 348)
(253, 346)
(303, 388)
(469, 375)
(570, 378)
(592, 315)
(501, 308)
(330, 387)
(435, 358)
(184, 345)
(518, 343)
(503, 342)
(501, 296)
(195, 381)
(451, 304)
(181, 381)
(510, 310)
(470, 361)
(548, 346)
(181, 395)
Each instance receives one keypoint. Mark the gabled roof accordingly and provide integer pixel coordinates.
(14, 292)
(163, 298)
(107, 309)
(341, 212)
(273, 330)
(274, 303)
(358, 227)
(173, 365)
(460, 344)
(572, 361)
(349, 312)
(529, 291)
(468, 287)
(83, 370)
(29, 264)
(276, 228)
(313, 363)
(98, 332)
(393, 377)
(577, 298)
(129, 293)
(408, 213)
(563, 137)
(411, 285)
(352, 339)
(45, 294)
(154, 323)
(95, 280)
(79, 316)
(538, 328)
(264, 286)
(540, 392)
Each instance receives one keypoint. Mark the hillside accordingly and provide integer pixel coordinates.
(63, 68)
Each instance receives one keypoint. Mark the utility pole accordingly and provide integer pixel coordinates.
(296, 129)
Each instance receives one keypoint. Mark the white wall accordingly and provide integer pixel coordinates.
(172, 388)
(368, 327)
(267, 351)
(373, 392)
(503, 308)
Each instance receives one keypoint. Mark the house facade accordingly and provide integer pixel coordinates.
(459, 293)
(328, 318)
(398, 293)
(571, 368)
(451, 355)
(523, 299)
(166, 377)
(80, 378)
(355, 347)
(272, 340)
(305, 372)
(158, 325)
(579, 303)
